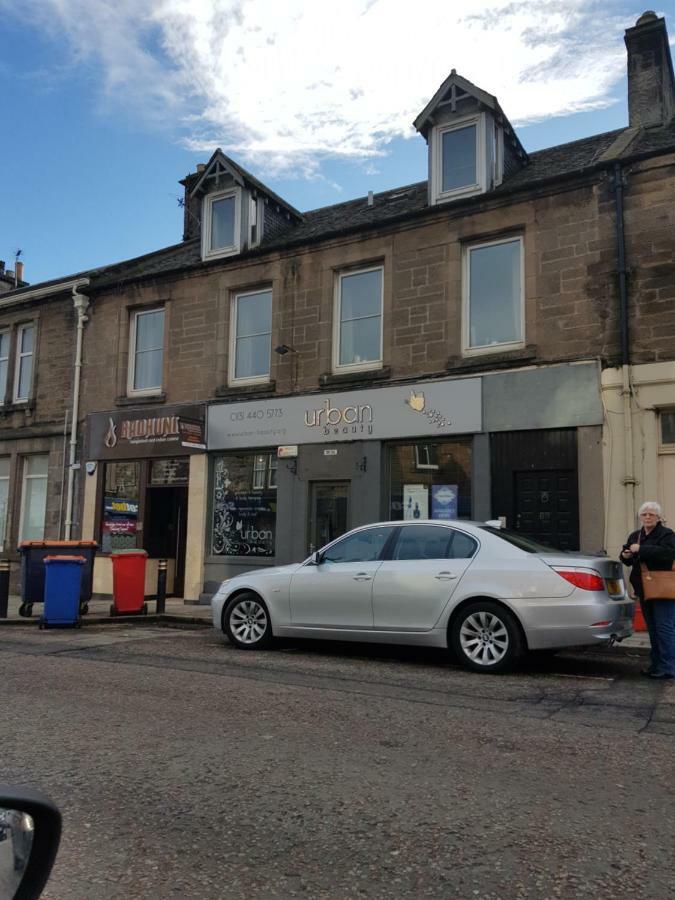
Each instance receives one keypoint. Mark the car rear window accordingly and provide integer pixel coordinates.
(519, 540)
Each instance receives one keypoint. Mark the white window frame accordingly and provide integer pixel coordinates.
(480, 185)
(267, 472)
(664, 446)
(131, 373)
(24, 478)
(3, 524)
(467, 349)
(17, 362)
(3, 387)
(207, 207)
(232, 355)
(337, 321)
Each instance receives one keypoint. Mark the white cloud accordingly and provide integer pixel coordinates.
(284, 86)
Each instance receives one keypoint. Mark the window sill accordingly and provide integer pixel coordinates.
(141, 400)
(246, 391)
(497, 360)
(367, 376)
(17, 406)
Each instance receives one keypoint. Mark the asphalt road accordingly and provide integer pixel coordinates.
(185, 768)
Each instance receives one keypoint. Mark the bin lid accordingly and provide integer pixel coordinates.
(57, 544)
(80, 560)
(128, 553)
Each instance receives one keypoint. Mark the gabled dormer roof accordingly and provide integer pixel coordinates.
(455, 89)
(220, 165)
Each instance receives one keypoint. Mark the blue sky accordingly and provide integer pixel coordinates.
(108, 103)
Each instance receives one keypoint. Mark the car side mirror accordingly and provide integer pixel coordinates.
(317, 557)
(30, 831)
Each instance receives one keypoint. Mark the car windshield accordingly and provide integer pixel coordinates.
(518, 540)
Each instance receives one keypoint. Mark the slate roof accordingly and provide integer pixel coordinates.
(402, 203)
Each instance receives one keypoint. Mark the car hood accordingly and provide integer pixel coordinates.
(272, 572)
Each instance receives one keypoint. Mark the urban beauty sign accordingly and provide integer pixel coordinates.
(452, 406)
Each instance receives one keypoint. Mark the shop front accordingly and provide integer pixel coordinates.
(144, 490)
(289, 474)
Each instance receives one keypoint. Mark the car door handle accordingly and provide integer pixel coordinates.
(363, 576)
(445, 576)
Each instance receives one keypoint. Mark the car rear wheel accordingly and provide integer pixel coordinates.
(485, 638)
(247, 623)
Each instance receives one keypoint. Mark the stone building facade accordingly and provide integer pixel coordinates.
(452, 348)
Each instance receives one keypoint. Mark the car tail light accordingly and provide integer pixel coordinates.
(586, 579)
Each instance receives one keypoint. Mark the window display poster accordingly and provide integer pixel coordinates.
(415, 501)
(444, 501)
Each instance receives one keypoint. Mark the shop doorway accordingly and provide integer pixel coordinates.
(547, 507)
(328, 512)
(166, 529)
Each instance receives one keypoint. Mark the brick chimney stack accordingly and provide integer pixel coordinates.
(651, 84)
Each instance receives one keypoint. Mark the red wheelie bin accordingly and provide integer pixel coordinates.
(129, 583)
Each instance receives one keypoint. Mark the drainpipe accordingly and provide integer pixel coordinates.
(81, 303)
(628, 479)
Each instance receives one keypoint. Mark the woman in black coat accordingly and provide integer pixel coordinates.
(654, 545)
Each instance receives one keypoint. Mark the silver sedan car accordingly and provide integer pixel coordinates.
(487, 594)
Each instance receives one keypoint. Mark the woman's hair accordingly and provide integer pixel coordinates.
(650, 505)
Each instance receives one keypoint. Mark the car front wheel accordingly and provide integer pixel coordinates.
(486, 638)
(247, 623)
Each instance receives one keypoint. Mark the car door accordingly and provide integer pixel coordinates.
(337, 593)
(413, 586)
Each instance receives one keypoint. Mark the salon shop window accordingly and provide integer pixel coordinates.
(244, 505)
(430, 479)
(121, 505)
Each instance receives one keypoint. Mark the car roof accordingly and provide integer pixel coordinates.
(470, 525)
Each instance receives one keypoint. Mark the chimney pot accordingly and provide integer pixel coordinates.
(19, 271)
(200, 168)
(651, 83)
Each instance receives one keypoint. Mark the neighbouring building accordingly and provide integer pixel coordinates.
(476, 345)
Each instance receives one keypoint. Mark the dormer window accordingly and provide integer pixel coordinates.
(222, 213)
(471, 142)
(459, 159)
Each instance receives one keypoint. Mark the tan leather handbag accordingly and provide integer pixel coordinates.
(658, 585)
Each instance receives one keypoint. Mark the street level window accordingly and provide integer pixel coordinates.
(244, 505)
(23, 376)
(438, 490)
(251, 329)
(264, 471)
(5, 339)
(4, 497)
(357, 340)
(147, 351)
(220, 236)
(121, 502)
(493, 296)
(668, 428)
(34, 498)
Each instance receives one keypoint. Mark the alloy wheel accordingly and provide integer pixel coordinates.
(248, 621)
(484, 638)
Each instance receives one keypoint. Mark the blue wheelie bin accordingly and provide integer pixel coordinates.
(63, 581)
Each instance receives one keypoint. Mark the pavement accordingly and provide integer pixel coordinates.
(99, 613)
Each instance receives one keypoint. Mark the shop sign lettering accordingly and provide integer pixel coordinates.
(341, 420)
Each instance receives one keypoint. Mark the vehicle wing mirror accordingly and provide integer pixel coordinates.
(30, 831)
(317, 557)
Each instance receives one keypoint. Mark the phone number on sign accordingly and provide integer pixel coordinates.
(241, 416)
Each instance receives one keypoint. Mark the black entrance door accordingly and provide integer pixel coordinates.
(329, 512)
(166, 529)
(547, 507)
